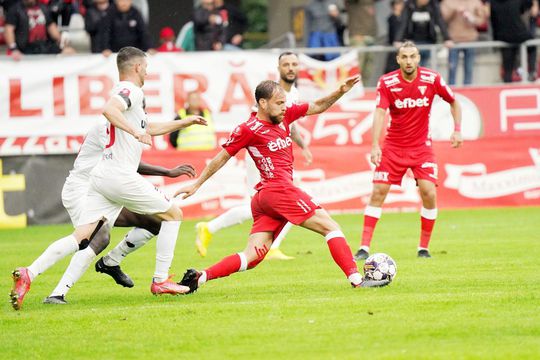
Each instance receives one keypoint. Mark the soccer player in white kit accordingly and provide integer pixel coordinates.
(115, 183)
(76, 188)
(288, 72)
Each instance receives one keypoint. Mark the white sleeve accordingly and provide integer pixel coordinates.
(129, 96)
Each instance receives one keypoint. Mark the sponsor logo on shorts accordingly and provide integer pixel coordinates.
(434, 166)
(409, 103)
(279, 144)
(380, 176)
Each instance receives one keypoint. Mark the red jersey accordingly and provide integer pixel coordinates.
(410, 105)
(269, 145)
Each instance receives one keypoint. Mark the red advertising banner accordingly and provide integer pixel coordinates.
(485, 172)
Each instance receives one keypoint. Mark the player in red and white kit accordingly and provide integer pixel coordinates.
(408, 94)
(267, 138)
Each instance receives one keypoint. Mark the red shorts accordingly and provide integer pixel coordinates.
(272, 208)
(395, 162)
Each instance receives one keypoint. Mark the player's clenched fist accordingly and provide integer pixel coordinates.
(376, 155)
(143, 138)
(456, 139)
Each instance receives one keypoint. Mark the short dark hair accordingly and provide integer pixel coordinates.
(265, 90)
(407, 44)
(286, 53)
(126, 55)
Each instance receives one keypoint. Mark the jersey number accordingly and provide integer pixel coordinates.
(111, 131)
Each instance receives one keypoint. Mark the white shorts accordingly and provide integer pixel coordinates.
(73, 197)
(107, 195)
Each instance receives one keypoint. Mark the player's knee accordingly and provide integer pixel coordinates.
(428, 194)
(173, 214)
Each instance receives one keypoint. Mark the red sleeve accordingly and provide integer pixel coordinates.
(382, 100)
(443, 90)
(237, 140)
(295, 112)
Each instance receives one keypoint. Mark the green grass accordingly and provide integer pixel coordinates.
(478, 297)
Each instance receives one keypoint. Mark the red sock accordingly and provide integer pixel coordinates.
(225, 267)
(341, 253)
(427, 228)
(369, 227)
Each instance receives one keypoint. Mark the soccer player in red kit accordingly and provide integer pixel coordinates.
(267, 138)
(408, 93)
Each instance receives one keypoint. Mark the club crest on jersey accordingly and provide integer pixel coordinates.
(281, 126)
(422, 89)
(279, 144)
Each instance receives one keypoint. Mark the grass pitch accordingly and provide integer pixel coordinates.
(478, 297)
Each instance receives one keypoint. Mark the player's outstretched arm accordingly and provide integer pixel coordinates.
(320, 105)
(456, 139)
(165, 127)
(113, 113)
(217, 163)
(148, 169)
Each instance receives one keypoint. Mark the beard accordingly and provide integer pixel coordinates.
(276, 119)
(287, 80)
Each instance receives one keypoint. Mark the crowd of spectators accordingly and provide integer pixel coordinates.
(36, 27)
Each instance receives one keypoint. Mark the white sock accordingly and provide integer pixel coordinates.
(202, 279)
(166, 242)
(77, 267)
(233, 216)
(355, 278)
(281, 235)
(54, 253)
(133, 240)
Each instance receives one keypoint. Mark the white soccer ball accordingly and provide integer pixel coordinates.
(379, 267)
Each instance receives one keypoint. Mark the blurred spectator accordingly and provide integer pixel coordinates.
(166, 40)
(7, 4)
(94, 24)
(60, 9)
(339, 25)
(534, 21)
(194, 137)
(186, 38)
(362, 31)
(394, 22)
(420, 19)
(30, 30)
(234, 24)
(321, 29)
(507, 25)
(124, 26)
(462, 17)
(208, 26)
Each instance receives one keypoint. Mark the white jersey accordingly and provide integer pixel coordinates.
(90, 153)
(293, 96)
(123, 152)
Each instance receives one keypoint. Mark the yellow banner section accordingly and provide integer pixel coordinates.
(14, 182)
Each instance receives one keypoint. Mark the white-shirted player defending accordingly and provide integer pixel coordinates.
(288, 72)
(115, 183)
(76, 188)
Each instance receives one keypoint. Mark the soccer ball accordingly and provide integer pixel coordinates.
(379, 267)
